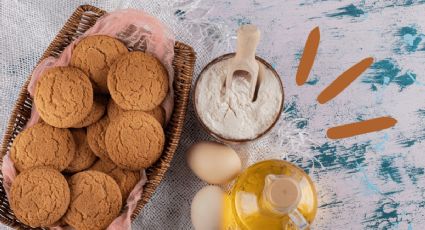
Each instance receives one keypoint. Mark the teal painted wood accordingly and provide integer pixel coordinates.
(374, 181)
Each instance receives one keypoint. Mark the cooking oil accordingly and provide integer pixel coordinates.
(272, 194)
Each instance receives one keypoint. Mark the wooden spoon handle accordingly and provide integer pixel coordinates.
(247, 42)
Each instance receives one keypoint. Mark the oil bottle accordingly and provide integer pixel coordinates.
(272, 194)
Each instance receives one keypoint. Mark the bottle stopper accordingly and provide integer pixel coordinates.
(283, 193)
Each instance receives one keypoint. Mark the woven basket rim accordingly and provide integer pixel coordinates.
(183, 64)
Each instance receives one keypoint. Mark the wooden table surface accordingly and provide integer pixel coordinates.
(373, 181)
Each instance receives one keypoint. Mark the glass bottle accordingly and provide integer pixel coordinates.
(272, 194)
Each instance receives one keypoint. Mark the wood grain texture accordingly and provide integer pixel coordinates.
(373, 181)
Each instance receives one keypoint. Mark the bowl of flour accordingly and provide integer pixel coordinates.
(233, 117)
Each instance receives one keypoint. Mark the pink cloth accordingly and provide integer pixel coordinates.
(138, 31)
(124, 220)
(9, 173)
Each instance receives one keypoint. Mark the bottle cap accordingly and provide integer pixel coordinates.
(282, 192)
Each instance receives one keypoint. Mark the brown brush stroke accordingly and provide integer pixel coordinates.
(344, 80)
(309, 54)
(362, 127)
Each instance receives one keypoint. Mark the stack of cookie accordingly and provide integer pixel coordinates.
(101, 123)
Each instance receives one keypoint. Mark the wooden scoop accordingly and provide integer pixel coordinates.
(244, 60)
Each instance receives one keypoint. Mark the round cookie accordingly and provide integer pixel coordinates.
(97, 111)
(125, 179)
(39, 197)
(84, 157)
(95, 200)
(63, 96)
(94, 55)
(138, 81)
(96, 137)
(43, 145)
(115, 111)
(135, 140)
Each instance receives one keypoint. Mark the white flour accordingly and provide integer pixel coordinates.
(235, 116)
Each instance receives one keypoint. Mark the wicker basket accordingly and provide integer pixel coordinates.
(81, 20)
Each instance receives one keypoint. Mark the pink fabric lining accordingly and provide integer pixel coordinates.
(138, 31)
(124, 220)
(9, 173)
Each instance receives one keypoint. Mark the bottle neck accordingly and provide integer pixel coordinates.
(281, 194)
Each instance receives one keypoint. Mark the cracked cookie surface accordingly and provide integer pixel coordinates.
(94, 55)
(63, 96)
(97, 111)
(39, 197)
(43, 145)
(84, 156)
(135, 140)
(95, 201)
(138, 81)
(96, 137)
(115, 111)
(125, 179)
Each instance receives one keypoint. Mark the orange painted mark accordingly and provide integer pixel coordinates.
(362, 127)
(344, 80)
(309, 54)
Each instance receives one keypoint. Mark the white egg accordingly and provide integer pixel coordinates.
(207, 208)
(214, 163)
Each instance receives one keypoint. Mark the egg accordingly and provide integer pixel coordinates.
(214, 163)
(207, 209)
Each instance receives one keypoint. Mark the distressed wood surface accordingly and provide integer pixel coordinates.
(373, 181)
